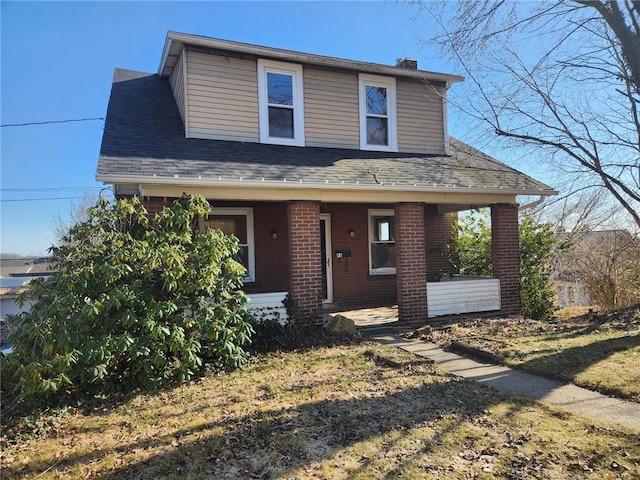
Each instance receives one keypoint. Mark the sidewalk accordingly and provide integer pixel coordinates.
(571, 397)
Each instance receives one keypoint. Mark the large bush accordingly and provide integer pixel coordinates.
(472, 256)
(139, 301)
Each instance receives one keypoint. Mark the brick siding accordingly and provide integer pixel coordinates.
(352, 284)
(438, 241)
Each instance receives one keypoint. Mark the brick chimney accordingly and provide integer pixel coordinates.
(407, 62)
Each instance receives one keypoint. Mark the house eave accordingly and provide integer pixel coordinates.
(175, 41)
(287, 189)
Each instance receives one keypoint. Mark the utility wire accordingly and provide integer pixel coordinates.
(48, 189)
(51, 121)
(37, 199)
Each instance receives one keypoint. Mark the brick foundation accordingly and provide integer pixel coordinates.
(506, 255)
(411, 261)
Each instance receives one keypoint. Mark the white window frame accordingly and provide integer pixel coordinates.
(248, 213)
(389, 83)
(372, 214)
(295, 71)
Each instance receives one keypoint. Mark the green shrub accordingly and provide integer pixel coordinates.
(472, 256)
(138, 302)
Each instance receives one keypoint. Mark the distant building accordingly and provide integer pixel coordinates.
(594, 255)
(15, 275)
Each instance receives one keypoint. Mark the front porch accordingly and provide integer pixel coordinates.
(454, 295)
(319, 253)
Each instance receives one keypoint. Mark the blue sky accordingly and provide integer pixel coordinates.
(58, 60)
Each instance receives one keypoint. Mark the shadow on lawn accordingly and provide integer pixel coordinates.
(567, 363)
(262, 443)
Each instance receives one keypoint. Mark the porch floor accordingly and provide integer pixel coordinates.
(368, 317)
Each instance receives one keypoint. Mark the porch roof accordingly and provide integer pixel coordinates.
(144, 143)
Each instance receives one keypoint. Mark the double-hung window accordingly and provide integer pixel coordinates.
(239, 223)
(280, 103)
(378, 113)
(382, 243)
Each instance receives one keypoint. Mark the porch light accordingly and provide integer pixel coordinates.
(352, 234)
(274, 235)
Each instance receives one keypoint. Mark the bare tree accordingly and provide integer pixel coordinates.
(604, 264)
(562, 77)
(77, 211)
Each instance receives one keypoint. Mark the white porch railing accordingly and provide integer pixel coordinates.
(268, 306)
(463, 295)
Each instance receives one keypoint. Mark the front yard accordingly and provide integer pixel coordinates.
(361, 411)
(599, 351)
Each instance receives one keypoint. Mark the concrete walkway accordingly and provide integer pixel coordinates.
(571, 397)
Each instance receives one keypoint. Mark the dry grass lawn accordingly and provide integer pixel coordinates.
(347, 412)
(600, 351)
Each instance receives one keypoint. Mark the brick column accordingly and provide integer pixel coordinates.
(505, 250)
(305, 285)
(411, 264)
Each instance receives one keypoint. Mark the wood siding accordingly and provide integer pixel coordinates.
(176, 80)
(223, 97)
(331, 109)
(420, 122)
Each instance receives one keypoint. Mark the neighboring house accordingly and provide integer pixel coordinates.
(15, 275)
(338, 177)
(604, 264)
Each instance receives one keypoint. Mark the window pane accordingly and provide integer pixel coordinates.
(383, 228)
(243, 257)
(229, 225)
(280, 89)
(377, 131)
(383, 255)
(376, 100)
(280, 122)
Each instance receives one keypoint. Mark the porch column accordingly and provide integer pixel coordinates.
(505, 250)
(305, 282)
(411, 263)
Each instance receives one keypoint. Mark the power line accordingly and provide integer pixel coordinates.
(52, 121)
(37, 199)
(49, 189)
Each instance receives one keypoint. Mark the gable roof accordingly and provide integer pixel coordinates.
(144, 142)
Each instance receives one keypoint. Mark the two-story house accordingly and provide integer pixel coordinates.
(338, 177)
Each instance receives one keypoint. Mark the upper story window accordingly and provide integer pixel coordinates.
(378, 113)
(280, 103)
(382, 242)
(239, 223)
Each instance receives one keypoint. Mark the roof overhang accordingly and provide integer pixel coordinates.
(456, 197)
(175, 42)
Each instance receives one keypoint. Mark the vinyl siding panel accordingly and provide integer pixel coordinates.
(331, 109)
(223, 97)
(222, 103)
(463, 296)
(176, 80)
(420, 122)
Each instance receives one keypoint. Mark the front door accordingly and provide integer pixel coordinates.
(325, 247)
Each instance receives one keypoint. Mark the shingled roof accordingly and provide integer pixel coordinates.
(144, 139)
